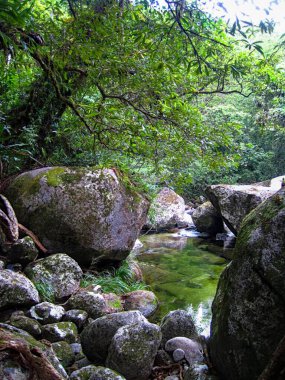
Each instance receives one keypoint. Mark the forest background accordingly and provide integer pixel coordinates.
(169, 94)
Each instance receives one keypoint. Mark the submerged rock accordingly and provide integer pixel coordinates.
(133, 350)
(248, 309)
(234, 202)
(58, 274)
(207, 219)
(16, 290)
(88, 212)
(96, 337)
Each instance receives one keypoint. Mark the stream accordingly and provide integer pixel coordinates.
(183, 270)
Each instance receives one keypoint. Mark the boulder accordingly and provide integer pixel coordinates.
(166, 211)
(55, 332)
(79, 317)
(58, 274)
(47, 312)
(88, 212)
(234, 202)
(92, 372)
(93, 303)
(177, 323)
(23, 251)
(133, 350)
(14, 363)
(64, 353)
(16, 290)
(18, 319)
(96, 337)
(248, 310)
(207, 219)
(143, 300)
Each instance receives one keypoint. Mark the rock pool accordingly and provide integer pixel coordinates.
(183, 272)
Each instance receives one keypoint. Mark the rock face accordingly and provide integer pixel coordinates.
(166, 211)
(133, 350)
(88, 213)
(248, 309)
(59, 273)
(234, 202)
(207, 219)
(16, 290)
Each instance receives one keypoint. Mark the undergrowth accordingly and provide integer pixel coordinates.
(118, 281)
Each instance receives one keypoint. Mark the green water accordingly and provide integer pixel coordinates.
(183, 273)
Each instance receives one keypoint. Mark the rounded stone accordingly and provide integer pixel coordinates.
(47, 312)
(93, 303)
(79, 317)
(56, 332)
(16, 290)
(23, 251)
(64, 353)
(178, 354)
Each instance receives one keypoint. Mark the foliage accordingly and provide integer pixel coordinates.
(46, 291)
(118, 281)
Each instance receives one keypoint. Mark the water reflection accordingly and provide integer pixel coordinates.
(183, 273)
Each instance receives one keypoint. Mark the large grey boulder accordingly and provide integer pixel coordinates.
(177, 323)
(59, 274)
(166, 211)
(16, 290)
(133, 350)
(248, 309)
(234, 202)
(93, 303)
(96, 337)
(207, 219)
(87, 212)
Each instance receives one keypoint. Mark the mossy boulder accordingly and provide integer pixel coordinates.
(88, 212)
(133, 350)
(248, 309)
(16, 290)
(143, 300)
(234, 202)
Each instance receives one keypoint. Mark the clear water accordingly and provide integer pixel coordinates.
(183, 273)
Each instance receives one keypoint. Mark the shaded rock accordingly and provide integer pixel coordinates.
(93, 303)
(207, 219)
(177, 323)
(47, 312)
(56, 332)
(2, 264)
(79, 317)
(82, 211)
(83, 373)
(166, 210)
(142, 300)
(16, 290)
(198, 372)
(178, 354)
(96, 337)
(13, 357)
(234, 202)
(25, 323)
(162, 359)
(77, 350)
(133, 350)
(23, 251)
(248, 310)
(192, 349)
(59, 273)
(64, 353)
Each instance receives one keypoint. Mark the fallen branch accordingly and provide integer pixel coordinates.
(33, 237)
(32, 358)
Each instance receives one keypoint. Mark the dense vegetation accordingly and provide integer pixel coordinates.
(168, 93)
